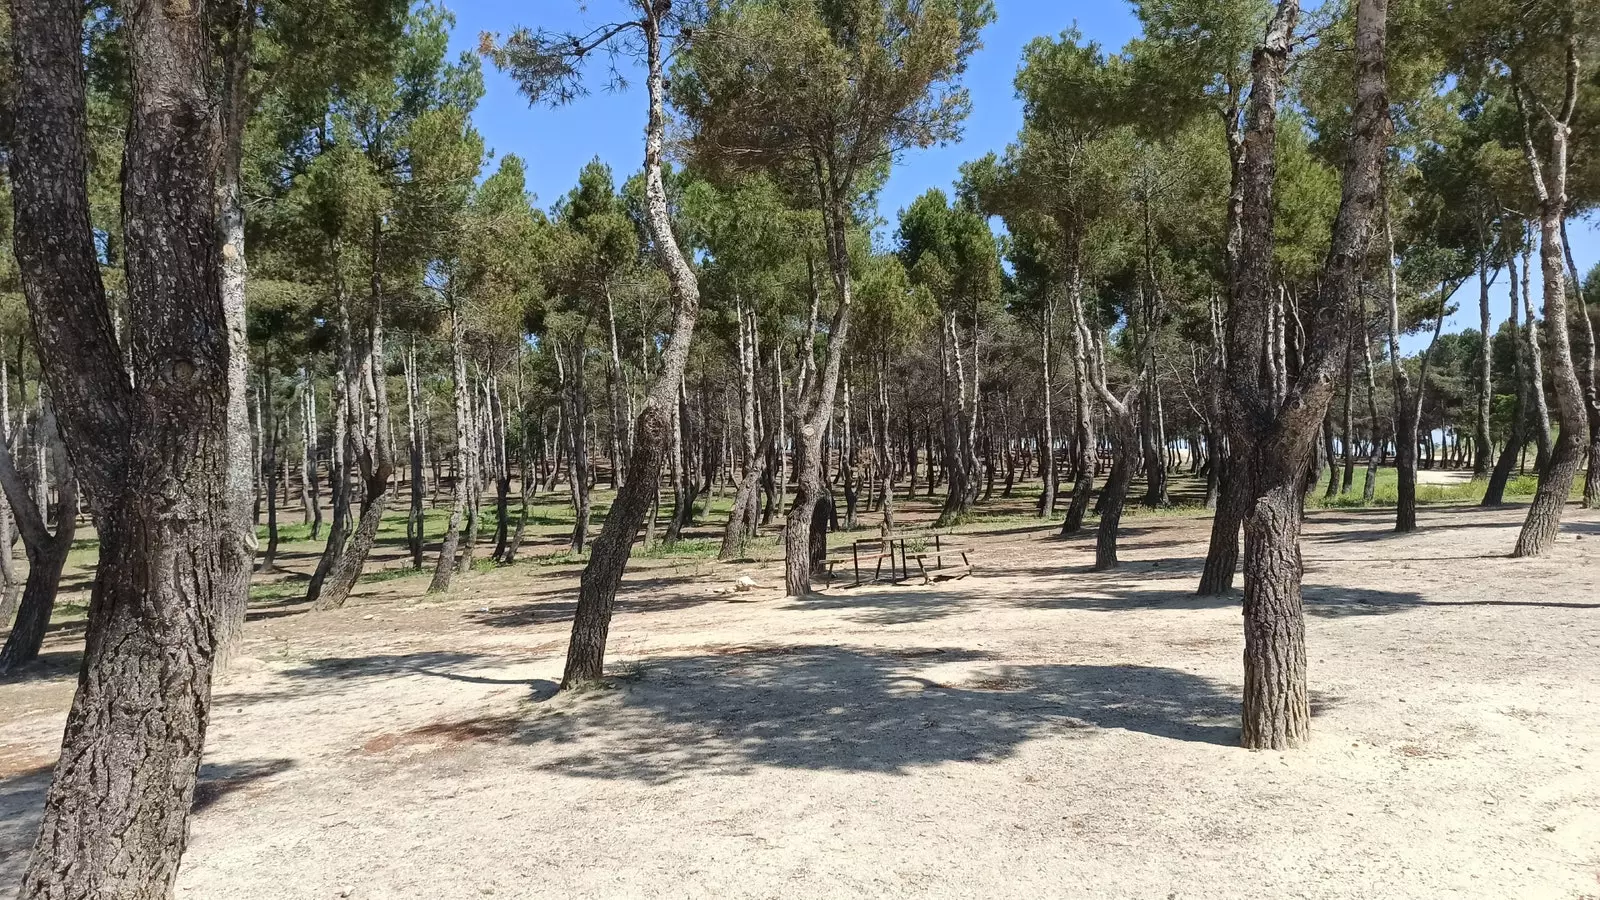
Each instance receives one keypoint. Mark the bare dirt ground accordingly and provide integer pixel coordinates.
(1035, 730)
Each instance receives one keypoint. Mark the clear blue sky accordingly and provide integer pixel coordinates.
(610, 125)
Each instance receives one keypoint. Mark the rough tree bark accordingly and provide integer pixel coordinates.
(815, 403)
(1549, 176)
(47, 552)
(1272, 433)
(597, 590)
(153, 463)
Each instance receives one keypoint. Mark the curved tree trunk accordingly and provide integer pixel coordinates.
(47, 553)
(597, 588)
(1550, 186)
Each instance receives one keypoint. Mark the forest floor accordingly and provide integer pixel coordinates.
(1037, 729)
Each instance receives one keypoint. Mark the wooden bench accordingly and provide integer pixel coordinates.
(874, 551)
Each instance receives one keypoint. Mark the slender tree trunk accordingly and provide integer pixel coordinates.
(235, 108)
(597, 589)
(310, 492)
(1084, 437)
(445, 567)
(376, 459)
(1541, 408)
(269, 467)
(816, 400)
(47, 553)
(1047, 445)
(415, 520)
(1587, 374)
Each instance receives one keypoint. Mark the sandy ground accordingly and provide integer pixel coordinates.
(1036, 730)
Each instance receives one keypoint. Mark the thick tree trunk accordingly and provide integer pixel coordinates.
(1274, 419)
(597, 590)
(1125, 444)
(1555, 480)
(1277, 710)
(155, 466)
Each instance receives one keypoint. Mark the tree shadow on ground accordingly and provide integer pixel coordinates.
(849, 709)
(21, 802)
(313, 677)
(557, 604)
(218, 780)
(886, 604)
(49, 665)
(22, 799)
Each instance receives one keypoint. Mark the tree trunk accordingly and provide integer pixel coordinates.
(376, 459)
(1273, 423)
(597, 589)
(816, 400)
(1085, 439)
(310, 495)
(155, 466)
(269, 467)
(235, 108)
(1587, 375)
(445, 567)
(1541, 407)
(1539, 530)
(47, 553)
(415, 520)
(1047, 444)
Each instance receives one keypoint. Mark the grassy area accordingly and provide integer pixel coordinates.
(1387, 491)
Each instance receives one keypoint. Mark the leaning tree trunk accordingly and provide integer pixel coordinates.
(1125, 444)
(1539, 530)
(597, 588)
(47, 553)
(154, 464)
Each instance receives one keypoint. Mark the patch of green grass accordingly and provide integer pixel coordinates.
(699, 548)
(383, 575)
(277, 590)
(1386, 491)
